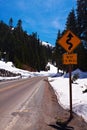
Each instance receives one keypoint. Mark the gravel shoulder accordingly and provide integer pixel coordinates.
(61, 116)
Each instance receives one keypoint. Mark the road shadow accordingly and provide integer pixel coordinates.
(62, 125)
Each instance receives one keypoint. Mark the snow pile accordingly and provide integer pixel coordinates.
(50, 72)
(23, 73)
(10, 67)
(79, 99)
(52, 68)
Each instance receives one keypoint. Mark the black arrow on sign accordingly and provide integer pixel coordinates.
(68, 41)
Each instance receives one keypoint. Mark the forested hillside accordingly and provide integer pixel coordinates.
(77, 23)
(21, 48)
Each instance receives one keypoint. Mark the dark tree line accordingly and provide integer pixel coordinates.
(21, 48)
(77, 23)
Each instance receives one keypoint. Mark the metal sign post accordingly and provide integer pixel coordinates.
(70, 59)
(69, 41)
(70, 89)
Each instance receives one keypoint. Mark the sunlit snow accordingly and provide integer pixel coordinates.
(79, 99)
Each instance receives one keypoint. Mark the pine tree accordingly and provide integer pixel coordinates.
(71, 23)
(19, 25)
(82, 32)
(82, 16)
(58, 52)
(11, 23)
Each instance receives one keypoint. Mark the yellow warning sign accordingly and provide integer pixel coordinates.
(69, 41)
(69, 59)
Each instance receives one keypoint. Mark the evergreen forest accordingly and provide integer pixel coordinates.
(21, 48)
(76, 22)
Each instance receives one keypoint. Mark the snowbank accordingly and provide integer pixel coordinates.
(9, 66)
(79, 72)
(79, 99)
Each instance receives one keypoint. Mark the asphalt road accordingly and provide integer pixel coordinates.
(25, 105)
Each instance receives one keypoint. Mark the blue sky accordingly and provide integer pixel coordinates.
(42, 16)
